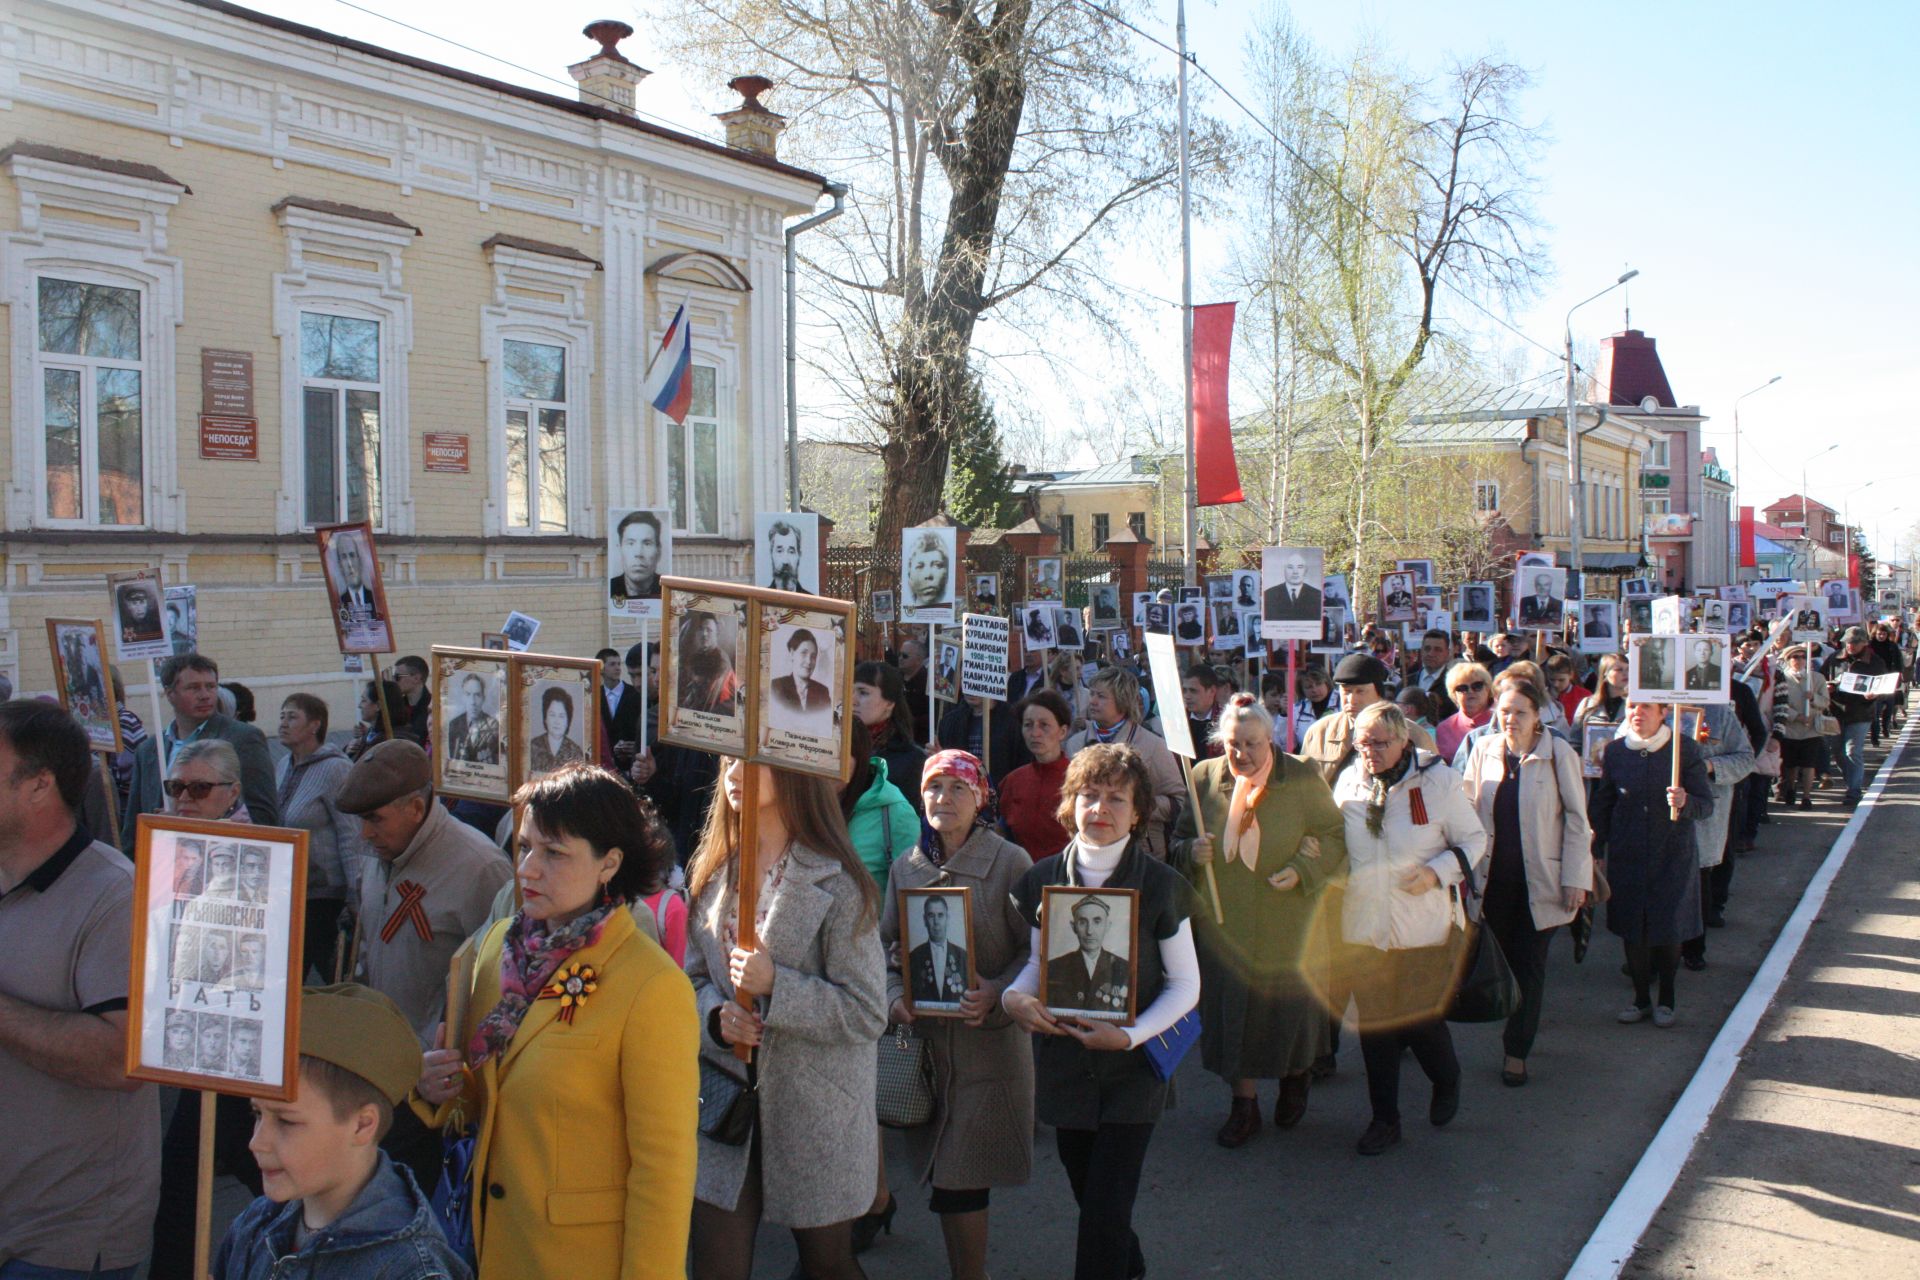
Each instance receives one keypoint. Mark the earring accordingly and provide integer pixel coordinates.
(606, 894)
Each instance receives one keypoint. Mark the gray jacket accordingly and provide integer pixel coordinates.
(335, 851)
(818, 1161)
(256, 775)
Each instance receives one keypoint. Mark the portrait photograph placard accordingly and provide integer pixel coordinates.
(936, 949)
(495, 642)
(1246, 589)
(1141, 599)
(1290, 580)
(1540, 598)
(1671, 614)
(1691, 668)
(1250, 631)
(520, 629)
(1333, 632)
(1103, 606)
(139, 624)
(804, 695)
(1809, 614)
(1226, 625)
(183, 619)
(219, 909)
(475, 723)
(1839, 599)
(555, 717)
(1333, 587)
(1190, 623)
(355, 595)
(1639, 587)
(880, 603)
(1158, 619)
(1599, 626)
(1640, 613)
(1476, 612)
(946, 669)
(639, 554)
(1397, 602)
(1067, 629)
(1422, 571)
(1594, 737)
(986, 593)
(1043, 578)
(929, 574)
(1036, 626)
(1713, 614)
(786, 551)
(82, 680)
(1089, 939)
(703, 656)
(1739, 615)
(1219, 587)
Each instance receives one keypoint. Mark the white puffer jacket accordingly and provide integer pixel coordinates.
(1427, 816)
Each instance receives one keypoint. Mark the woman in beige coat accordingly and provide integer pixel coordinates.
(981, 1135)
(1526, 785)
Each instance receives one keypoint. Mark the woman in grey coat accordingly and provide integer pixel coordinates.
(981, 1135)
(1728, 752)
(816, 977)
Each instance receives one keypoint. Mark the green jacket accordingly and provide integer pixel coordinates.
(879, 814)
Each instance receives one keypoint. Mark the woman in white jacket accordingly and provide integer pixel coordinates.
(1527, 787)
(1411, 832)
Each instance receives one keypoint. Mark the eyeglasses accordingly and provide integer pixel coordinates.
(192, 790)
(1470, 686)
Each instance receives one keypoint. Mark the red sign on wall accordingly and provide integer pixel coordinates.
(446, 451)
(229, 439)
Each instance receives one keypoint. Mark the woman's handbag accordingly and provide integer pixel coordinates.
(1487, 990)
(452, 1198)
(1827, 726)
(1767, 763)
(728, 1105)
(1165, 1051)
(903, 1089)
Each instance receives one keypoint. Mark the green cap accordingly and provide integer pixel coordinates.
(360, 1030)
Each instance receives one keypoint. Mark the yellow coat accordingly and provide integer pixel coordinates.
(584, 1164)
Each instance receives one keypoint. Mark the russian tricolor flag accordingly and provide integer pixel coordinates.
(670, 375)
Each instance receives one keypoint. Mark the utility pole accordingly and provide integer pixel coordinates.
(1192, 494)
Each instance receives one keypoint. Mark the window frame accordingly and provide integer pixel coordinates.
(1481, 488)
(1662, 445)
(1102, 529)
(536, 434)
(342, 388)
(541, 298)
(1066, 533)
(685, 433)
(89, 367)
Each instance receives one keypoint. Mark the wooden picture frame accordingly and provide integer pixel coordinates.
(138, 616)
(495, 642)
(913, 925)
(86, 692)
(472, 759)
(362, 622)
(192, 937)
(1070, 990)
(1044, 579)
(537, 683)
(807, 729)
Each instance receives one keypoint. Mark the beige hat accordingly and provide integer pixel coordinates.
(360, 1030)
(390, 770)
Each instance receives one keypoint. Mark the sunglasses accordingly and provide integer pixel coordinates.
(1470, 686)
(192, 790)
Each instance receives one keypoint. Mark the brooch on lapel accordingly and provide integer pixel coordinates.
(571, 987)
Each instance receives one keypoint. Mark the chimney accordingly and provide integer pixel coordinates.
(607, 79)
(750, 126)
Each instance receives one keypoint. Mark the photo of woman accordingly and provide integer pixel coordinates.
(554, 715)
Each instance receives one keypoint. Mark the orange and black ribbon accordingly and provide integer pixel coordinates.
(412, 894)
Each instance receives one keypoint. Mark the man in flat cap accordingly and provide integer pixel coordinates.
(429, 886)
(1362, 680)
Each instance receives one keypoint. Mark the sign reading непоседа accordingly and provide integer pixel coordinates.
(229, 439)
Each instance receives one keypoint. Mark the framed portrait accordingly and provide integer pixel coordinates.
(1599, 626)
(986, 593)
(1226, 624)
(1103, 606)
(1291, 578)
(1839, 599)
(1652, 667)
(1739, 615)
(1594, 737)
(1638, 587)
(1533, 560)
(520, 629)
(1422, 571)
(1219, 586)
(1043, 578)
(495, 642)
(1067, 629)
(881, 605)
(1476, 612)
(1809, 614)
(1193, 595)
(1036, 626)
(1397, 603)
(1540, 598)
(936, 949)
(1089, 937)
(1671, 613)
(1333, 632)
(1333, 588)
(355, 596)
(929, 574)
(1190, 624)
(1141, 599)
(555, 719)
(1640, 613)
(703, 651)
(1713, 614)
(1250, 631)
(786, 551)
(1734, 591)
(946, 670)
(639, 554)
(1246, 589)
(1694, 668)
(219, 909)
(138, 620)
(1158, 619)
(183, 619)
(82, 679)
(475, 723)
(804, 695)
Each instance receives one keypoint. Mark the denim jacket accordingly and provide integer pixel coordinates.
(388, 1233)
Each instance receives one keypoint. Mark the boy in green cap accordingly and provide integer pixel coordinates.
(333, 1199)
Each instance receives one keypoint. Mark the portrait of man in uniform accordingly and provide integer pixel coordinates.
(939, 971)
(1089, 954)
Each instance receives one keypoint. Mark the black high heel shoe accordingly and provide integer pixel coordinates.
(868, 1226)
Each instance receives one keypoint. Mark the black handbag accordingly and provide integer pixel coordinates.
(903, 1080)
(728, 1105)
(1487, 990)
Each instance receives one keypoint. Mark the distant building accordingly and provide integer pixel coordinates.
(1814, 530)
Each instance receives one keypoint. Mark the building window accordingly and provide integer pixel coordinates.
(1066, 533)
(693, 458)
(1486, 495)
(1656, 455)
(1656, 506)
(1137, 521)
(534, 379)
(340, 395)
(90, 376)
(1100, 530)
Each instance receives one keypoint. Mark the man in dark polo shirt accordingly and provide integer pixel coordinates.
(80, 1167)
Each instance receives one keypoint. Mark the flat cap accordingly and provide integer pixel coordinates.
(360, 1030)
(1854, 635)
(390, 770)
(1362, 668)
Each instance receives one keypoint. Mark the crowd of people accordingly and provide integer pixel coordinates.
(634, 1083)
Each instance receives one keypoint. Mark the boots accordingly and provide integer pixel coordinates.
(1243, 1121)
(1292, 1105)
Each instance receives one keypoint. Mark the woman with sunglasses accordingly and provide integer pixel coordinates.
(1469, 685)
(203, 781)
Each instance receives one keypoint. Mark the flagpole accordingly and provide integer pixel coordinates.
(1192, 493)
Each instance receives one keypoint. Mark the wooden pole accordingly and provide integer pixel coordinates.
(933, 707)
(747, 891)
(380, 700)
(112, 792)
(1200, 825)
(1679, 719)
(1293, 691)
(159, 730)
(986, 736)
(646, 666)
(203, 1187)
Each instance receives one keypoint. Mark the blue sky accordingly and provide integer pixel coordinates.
(1755, 161)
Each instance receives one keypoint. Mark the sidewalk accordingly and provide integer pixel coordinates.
(1810, 1165)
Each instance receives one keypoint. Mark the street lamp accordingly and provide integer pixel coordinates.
(1576, 494)
(1735, 575)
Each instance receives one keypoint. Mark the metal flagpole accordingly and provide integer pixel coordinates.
(1192, 493)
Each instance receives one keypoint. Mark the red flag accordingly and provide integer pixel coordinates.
(1216, 475)
(1853, 568)
(1747, 558)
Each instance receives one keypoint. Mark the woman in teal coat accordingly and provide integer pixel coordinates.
(879, 817)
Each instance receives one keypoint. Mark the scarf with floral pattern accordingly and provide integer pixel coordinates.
(530, 956)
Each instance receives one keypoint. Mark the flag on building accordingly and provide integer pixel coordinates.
(670, 373)
(1747, 558)
(1216, 475)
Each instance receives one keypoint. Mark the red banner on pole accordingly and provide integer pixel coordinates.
(1853, 568)
(1215, 473)
(1747, 558)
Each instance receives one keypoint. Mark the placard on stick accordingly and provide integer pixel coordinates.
(81, 678)
(985, 640)
(356, 597)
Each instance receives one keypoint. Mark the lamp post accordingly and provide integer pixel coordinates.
(1734, 575)
(1576, 492)
(1806, 524)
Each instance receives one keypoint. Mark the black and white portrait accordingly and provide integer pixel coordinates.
(181, 1035)
(243, 1047)
(881, 603)
(1249, 620)
(805, 681)
(1159, 618)
(1839, 598)
(469, 698)
(786, 551)
(1036, 626)
(189, 868)
(1713, 615)
(1704, 663)
(80, 678)
(1652, 665)
(1739, 615)
(946, 671)
(1476, 611)
(138, 622)
(216, 957)
(183, 619)
(1219, 587)
(1103, 602)
(936, 943)
(558, 728)
(1141, 599)
(986, 592)
(800, 699)
(210, 1049)
(639, 552)
(520, 629)
(1541, 603)
(1189, 623)
(1599, 626)
(1640, 613)
(1088, 937)
(357, 599)
(249, 960)
(1422, 571)
(252, 864)
(1333, 632)
(1226, 625)
(1290, 578)
(929, 574)
(1246, 589)
(1638, 587)
(1334, 589)
(1043, 578)
(1066, 629)
(1398, 606)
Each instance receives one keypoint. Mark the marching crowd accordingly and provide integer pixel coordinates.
(632, 1091)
